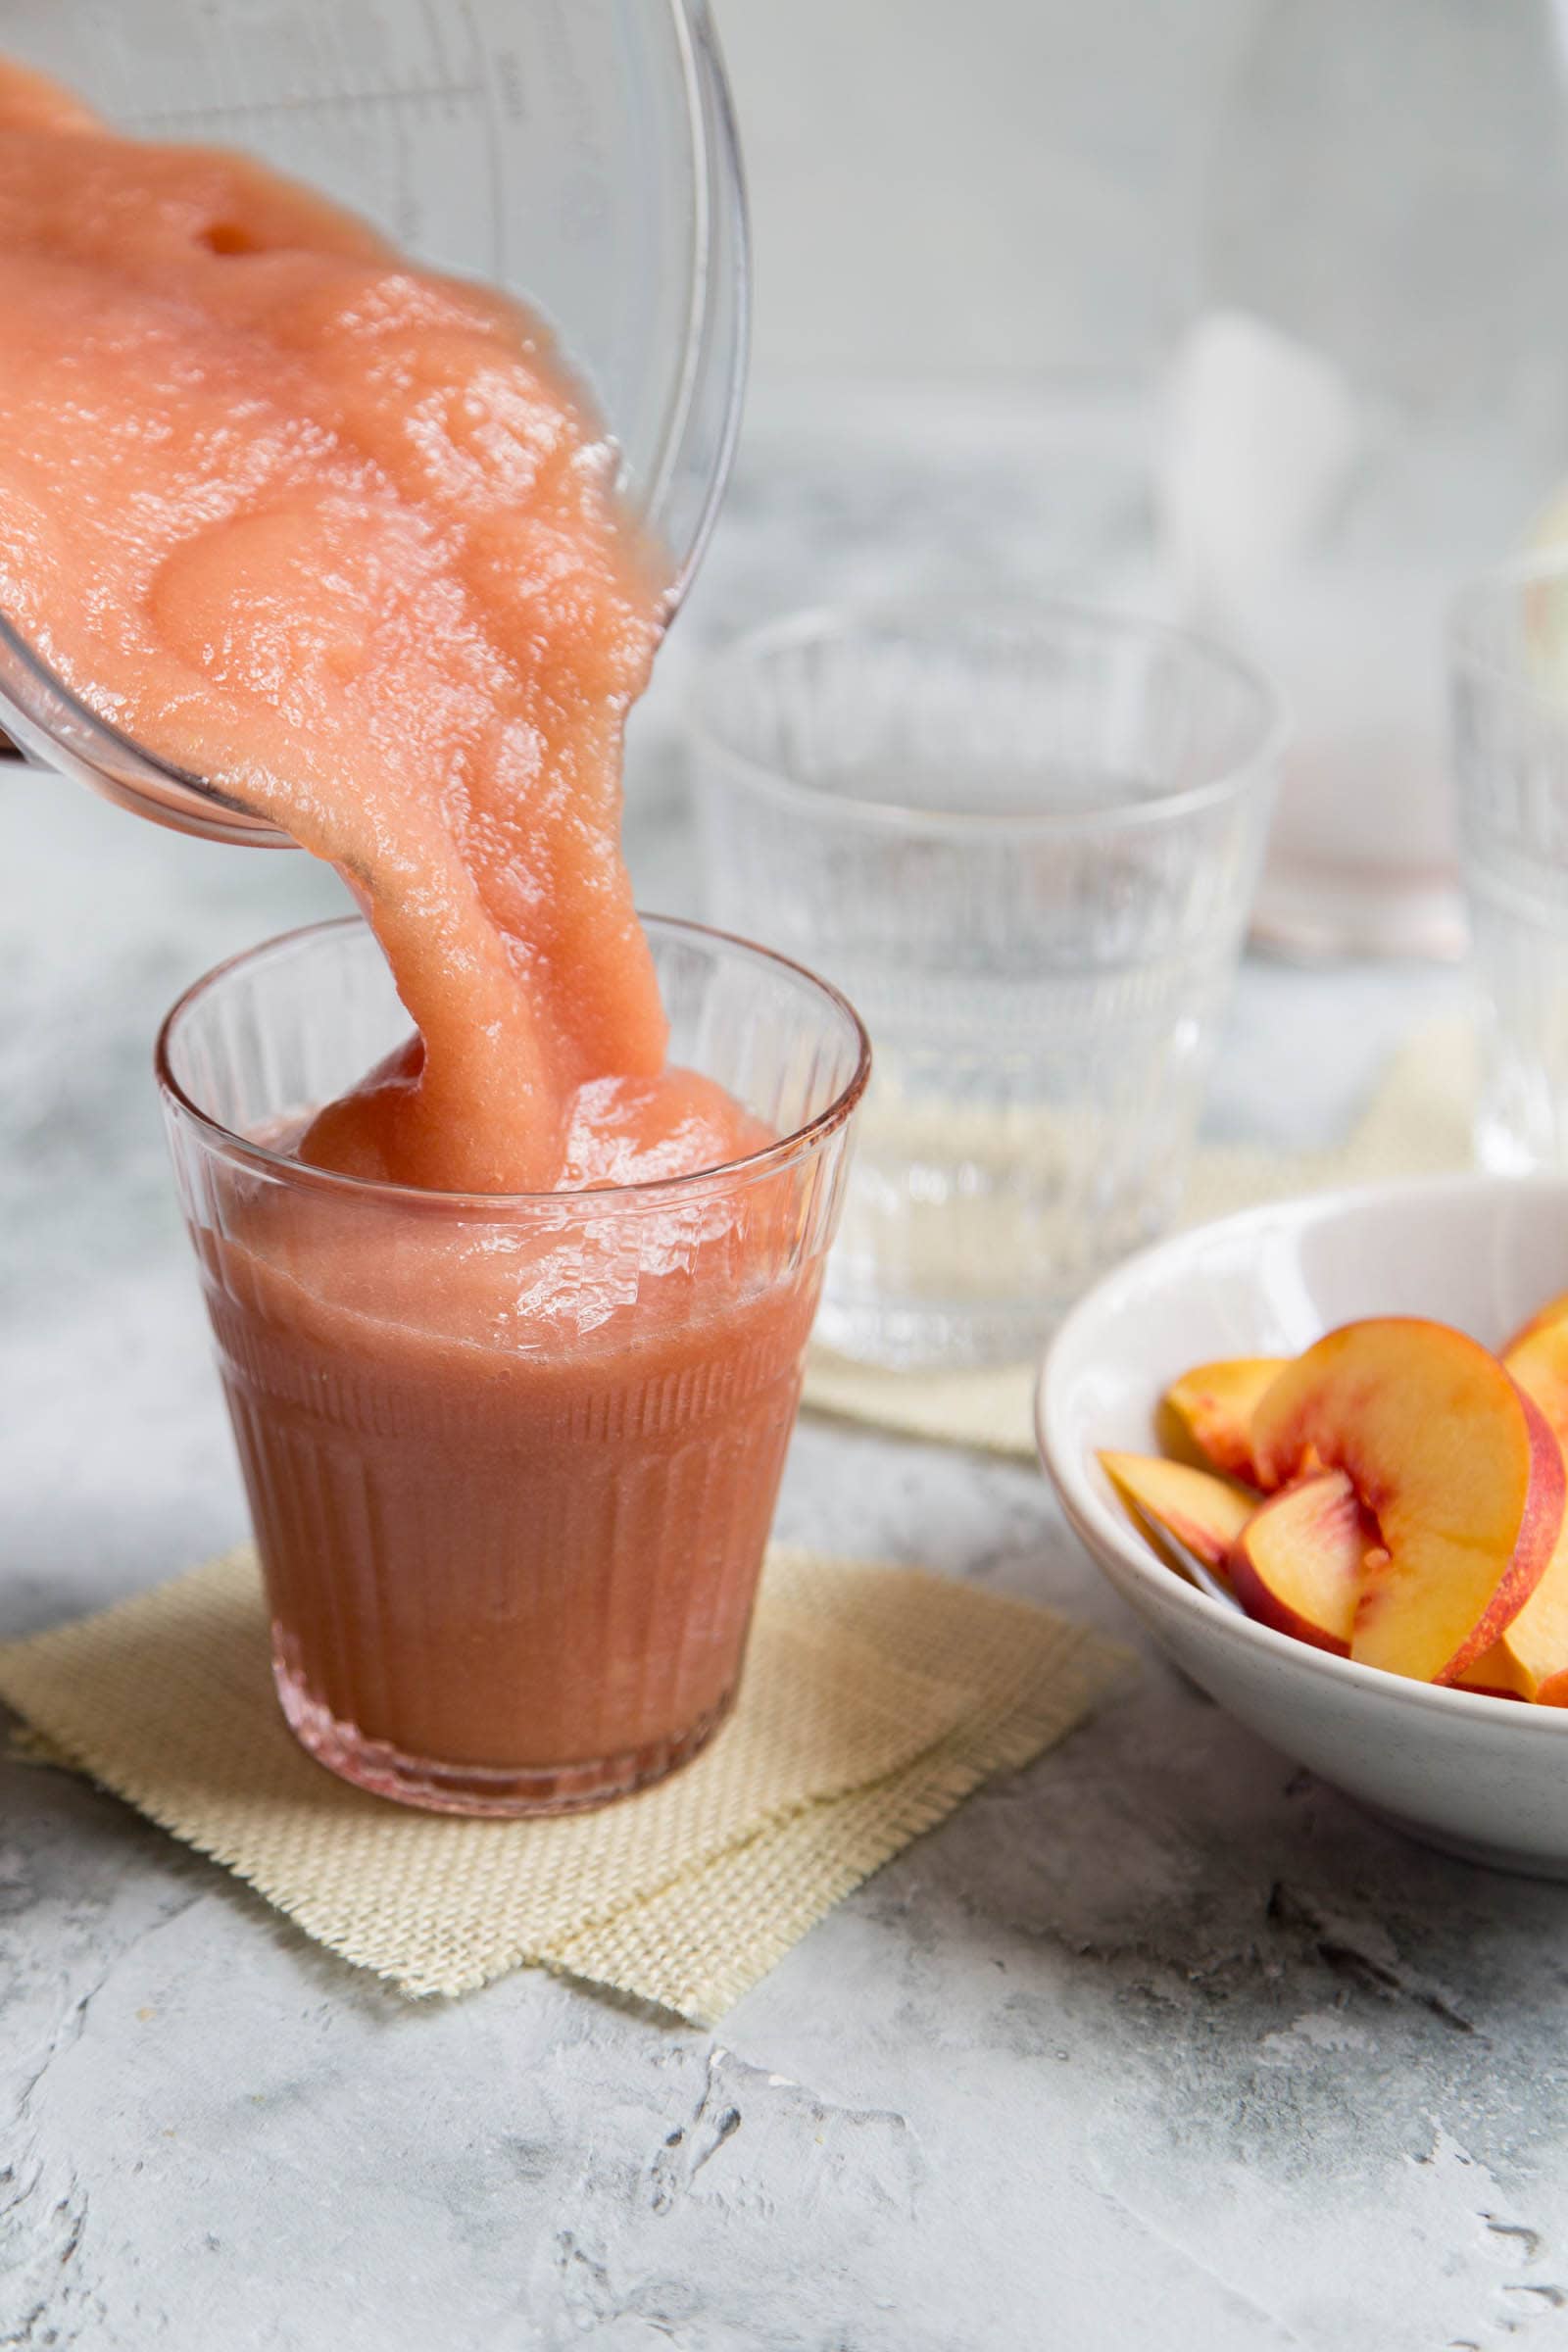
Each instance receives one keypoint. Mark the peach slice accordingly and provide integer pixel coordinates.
(1204, 1513)
(1538, 1358)
(1458, 1466)
(1207, 1416)
(1556, 1310)
(1532, 1656)
(1494, 1674)
(1297, 1563)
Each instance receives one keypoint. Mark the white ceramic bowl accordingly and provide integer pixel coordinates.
(1484, 1777)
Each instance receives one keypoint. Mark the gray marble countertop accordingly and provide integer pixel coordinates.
(1160, 2042)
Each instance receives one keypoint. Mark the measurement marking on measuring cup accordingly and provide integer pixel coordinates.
(319, 102)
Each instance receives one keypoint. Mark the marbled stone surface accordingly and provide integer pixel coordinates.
(1158, 2043)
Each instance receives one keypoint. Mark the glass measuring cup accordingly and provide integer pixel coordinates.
(580, 153)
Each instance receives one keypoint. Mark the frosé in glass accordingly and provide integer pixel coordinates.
(512, 1459)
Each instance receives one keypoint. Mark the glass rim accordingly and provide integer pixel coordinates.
(699, 1183)
(819, 623)
(1481, 592)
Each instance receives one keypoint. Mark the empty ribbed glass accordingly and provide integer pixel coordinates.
(1024, 839)
(511, 1460)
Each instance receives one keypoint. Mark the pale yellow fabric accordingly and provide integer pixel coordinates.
(875, 1700)
(1418, 1124)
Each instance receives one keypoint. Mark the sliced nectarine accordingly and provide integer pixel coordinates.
(1207, 1416)
(1535, 1645)
(1538, 1361)
(1204, 1513)
(1297, 1563)
(1533, 1649)
(1556, 1310)
(1458, 1466)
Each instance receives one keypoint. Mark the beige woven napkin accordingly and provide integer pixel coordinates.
(1418, 1124)
(875, 1700)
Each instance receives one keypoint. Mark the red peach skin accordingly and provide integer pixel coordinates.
(1204, 1513)
(1458, 1466)
(1297, 1563)
(1206, 1415)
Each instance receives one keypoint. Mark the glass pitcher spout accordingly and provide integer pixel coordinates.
(49, 727)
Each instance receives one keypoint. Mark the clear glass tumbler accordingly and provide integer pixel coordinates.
(1509, 671)
(1024, 839)
(511, 1461)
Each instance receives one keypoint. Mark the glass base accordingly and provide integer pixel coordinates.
(1316, 914)
(962, 1336)
(507, 1793)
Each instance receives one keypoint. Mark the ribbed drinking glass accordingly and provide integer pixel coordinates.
(1024, 839)
(511, 1460)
